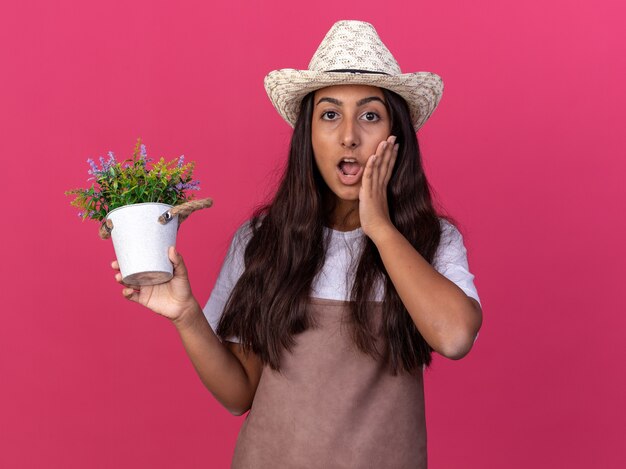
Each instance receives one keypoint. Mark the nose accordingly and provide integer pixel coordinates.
(349, 135)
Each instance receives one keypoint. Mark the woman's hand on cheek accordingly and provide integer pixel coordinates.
(373, 205)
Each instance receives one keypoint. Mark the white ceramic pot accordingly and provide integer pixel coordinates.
(141, 243)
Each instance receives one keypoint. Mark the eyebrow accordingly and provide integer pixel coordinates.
(360, 102)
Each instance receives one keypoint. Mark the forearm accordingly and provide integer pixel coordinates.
(218, 368)
(445, 316)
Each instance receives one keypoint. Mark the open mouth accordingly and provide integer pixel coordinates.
(349, 167)
(349, 171)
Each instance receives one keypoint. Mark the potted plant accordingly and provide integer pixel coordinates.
(140, 206)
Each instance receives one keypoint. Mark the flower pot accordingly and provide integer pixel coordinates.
(141, 243)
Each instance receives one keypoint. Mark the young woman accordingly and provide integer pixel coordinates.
(332, 297)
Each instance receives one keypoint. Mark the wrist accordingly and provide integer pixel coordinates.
(189, 316)
(382, 233)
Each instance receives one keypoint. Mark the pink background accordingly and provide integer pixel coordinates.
(526, 150)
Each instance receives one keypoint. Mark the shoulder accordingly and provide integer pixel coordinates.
(234, 261)
(451, 245)
(449, 231)
(243, 234)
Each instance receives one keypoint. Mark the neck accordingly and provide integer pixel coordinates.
(343, 215)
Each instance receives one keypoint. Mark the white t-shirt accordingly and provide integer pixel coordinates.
(335, 280)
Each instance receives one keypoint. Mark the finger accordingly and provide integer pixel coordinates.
(392, 163)
(367, 175)
(384, 164)
(180, 270)
(380, 154)
(115, 265)
(131, 294)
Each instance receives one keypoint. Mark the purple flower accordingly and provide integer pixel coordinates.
(188, 186)
(94, 166)
(106, 165)
(143, 156)
(181, 161)
(109, 163)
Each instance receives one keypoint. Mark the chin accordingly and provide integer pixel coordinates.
(351, 195)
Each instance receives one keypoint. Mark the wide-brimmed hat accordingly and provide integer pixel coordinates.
(352, 53)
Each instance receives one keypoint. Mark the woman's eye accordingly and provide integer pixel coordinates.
(329, 115)
(371, 116)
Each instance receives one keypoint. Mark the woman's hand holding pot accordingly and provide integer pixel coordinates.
(171, 299)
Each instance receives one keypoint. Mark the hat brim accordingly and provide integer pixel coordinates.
(421, 90)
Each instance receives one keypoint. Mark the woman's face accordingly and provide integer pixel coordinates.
(349, 121)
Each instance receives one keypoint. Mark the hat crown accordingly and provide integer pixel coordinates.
(353, 45)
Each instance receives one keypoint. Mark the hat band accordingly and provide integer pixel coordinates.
(351, 70)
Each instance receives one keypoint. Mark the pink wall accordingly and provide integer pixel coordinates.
(526, 151)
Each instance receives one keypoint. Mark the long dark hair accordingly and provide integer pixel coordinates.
(267, 306)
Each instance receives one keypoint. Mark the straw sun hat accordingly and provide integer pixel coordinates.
(352, 53)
